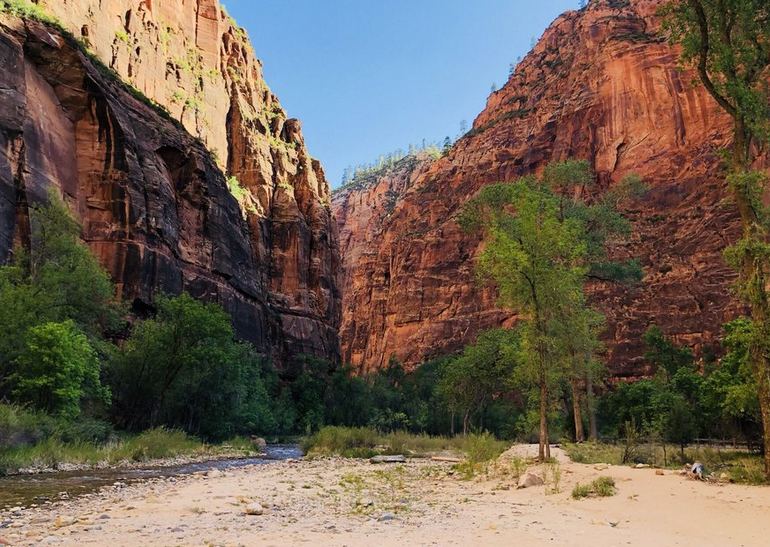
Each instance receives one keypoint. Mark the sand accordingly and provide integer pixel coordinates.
(349, 502)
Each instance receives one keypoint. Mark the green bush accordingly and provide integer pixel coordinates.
(57, 369)
(482, 447)
(344, 441)
(601, 487)
(19, 426)
(156, 444)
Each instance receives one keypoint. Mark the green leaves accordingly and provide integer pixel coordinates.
(55, 304)
(184, 369)
(481, 373)
(728, 43)
(543, 239)
(57, 369)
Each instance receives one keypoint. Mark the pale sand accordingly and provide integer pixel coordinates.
(326, 502)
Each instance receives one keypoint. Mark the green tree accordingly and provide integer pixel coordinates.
(184, 369)
(53, 279)
(543, 241)
(57, 369)
(663, 354)
(578, 333)
(480, 374)
(728, 44)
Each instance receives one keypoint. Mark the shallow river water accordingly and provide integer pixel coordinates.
(24, 490)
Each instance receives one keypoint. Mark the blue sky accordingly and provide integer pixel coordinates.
(367, 77)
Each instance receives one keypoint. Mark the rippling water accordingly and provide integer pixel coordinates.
(48, 487)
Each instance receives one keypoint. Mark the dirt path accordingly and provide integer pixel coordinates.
(346, 502)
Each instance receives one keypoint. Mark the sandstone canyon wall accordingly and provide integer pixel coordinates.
(151, 193)
(599, 85)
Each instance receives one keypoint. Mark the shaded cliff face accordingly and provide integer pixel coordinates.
(599, 85)
(153, 203)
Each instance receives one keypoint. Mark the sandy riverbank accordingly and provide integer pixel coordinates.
(348, 502)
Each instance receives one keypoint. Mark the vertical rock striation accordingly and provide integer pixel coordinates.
(149, 192)
(600, 85)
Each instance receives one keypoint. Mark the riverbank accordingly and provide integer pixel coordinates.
(155, 447)
(335, 501)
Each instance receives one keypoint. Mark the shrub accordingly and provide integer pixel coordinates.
(482, 447)
(601, 487)
(344, 441)
(155, 444)
(19, 426)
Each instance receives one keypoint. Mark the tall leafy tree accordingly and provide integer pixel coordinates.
(728, 43)
(54, 278)
(544, 238)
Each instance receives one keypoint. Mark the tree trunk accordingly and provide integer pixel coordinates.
(763, 390)
(593, 433)
(544, 449)
(466, 419)
(576, 411)
(752, 274)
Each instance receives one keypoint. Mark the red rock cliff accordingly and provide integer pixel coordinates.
(599, 85)
(153, 203)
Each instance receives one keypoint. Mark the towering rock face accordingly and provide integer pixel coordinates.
(153, 200)
(599, 85)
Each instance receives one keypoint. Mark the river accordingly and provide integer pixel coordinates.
(25, 490)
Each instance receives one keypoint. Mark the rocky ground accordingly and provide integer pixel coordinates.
(351, 502)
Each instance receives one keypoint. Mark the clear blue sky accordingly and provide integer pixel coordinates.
(367, 77)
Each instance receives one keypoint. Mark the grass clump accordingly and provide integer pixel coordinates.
(349, 442)
(31, 439)
(599, 488)
(482, 447)
(28, 10)
(156, 444)
(364, 442)
(594, 453)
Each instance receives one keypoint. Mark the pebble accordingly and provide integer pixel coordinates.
(387, 517)
(254, 509)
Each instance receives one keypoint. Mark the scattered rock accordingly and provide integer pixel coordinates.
(659, 472)
(386, 517)
(62, 521)
(214, 473)
(104, 516)
(529, 479)
(641, 466)
(259, 443)
(400, 458)
(254, 509)
(601, 466)
(366, 502)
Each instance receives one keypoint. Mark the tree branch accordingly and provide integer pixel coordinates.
(703, 54)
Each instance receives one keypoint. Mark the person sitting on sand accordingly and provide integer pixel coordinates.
(697, 471)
